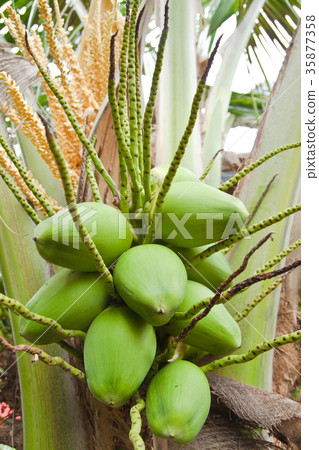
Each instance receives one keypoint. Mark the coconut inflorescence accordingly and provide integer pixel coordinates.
(152, 284)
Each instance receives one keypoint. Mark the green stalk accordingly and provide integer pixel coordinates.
(39, 169)
(135, 413)
(75, 125)
(219, 96)
(178, 82)
(279, 257)
(51, 409)
(92, 180)
(178, 156)
(132, 91)
(19, 309)
(139, 98)
(40, 354)
(123, 149)
(251, 305)
(122, 90)
(149, 110)
(24, 175)
(71, 202)
(252, 354)
(19, 196)
(242, 173)
(247, 232)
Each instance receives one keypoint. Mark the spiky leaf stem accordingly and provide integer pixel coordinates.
(132, 91)
(210, 164)
(245, 233)
(272, 262)
(149, 110)
(169, 177)
(239, 175)
(136, 420)
(44, 357)
(252, 354)
(28, 181)
(72, 207)
(251, 305)
(122, 147)
(19, 309)
(93, 183)
(259, 202)
(19, 196)
(139, 97)
(122, 90)
(75, 124)
(223, 297)
(209, 302)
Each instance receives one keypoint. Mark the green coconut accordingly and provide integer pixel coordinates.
(217, 333)
(58, 241)
(151, 279)
(211, 271)
(119, 350)
(71, 298)
(195, 214)
(178, 402)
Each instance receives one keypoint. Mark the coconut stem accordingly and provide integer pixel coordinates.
(209, 302)
(210, 164)
(272, 262)
(246, 232)
(222, 297)
(131, 72)
(122, 90)
(44, 357)
(90, 174)
(138, 96)
(239, 175)
(169, 177)
(73, 210)
(251, 305)
(122, 146)
(19, 196)
(136, 420)
(261, 198)
(18, 308)
(28, 181)
(75, 124)
(252, 354)
(149, 110)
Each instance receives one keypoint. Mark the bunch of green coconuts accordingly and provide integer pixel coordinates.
(152, 282)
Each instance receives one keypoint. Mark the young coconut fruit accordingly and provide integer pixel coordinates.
(210, 272)
(73, 299)
(178, 402)
(217, 333)
(151, 279)
(119, 350)
(195, 214)
(58, 241)
(182, 174)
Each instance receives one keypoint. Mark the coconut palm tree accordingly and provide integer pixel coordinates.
(58, 411)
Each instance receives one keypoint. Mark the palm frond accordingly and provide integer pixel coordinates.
(276, 22)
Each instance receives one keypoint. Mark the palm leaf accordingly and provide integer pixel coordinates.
(275, 16)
